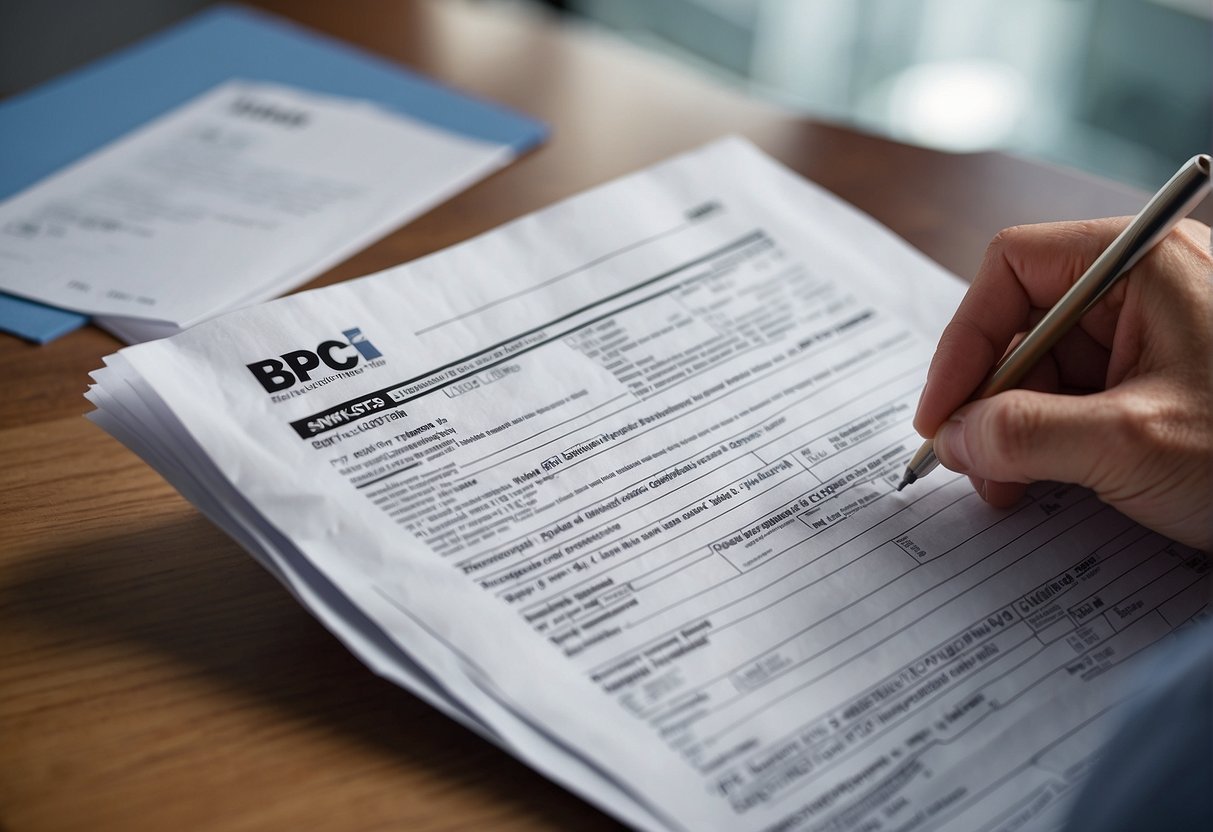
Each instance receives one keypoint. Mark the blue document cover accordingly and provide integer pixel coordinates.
(58, 122)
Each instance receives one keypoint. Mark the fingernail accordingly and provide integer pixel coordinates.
(950, 446)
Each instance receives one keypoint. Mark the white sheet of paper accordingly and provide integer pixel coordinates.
(615, 484)
(235, 197)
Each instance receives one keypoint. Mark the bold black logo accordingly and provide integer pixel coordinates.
(277, 374)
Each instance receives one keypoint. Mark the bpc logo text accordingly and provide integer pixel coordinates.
(278, 374)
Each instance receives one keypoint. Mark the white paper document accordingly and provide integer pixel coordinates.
(614, 485)
(245, 192)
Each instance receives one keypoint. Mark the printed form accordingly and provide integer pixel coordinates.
(240, 194)
(616, 485)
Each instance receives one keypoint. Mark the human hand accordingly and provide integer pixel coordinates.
(1123, 404)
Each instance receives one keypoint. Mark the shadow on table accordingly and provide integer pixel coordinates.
(226, 616)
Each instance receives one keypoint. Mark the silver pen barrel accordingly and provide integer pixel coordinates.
(1156, 220)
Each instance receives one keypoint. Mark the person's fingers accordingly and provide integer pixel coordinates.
(1042, 378)
(1022, 436)
(1143, 444)
(1024, 268)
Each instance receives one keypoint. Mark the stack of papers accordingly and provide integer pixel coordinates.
(614, 486)
(163, 167)
(234, 198)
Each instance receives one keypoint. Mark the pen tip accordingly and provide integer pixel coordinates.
(907, 480)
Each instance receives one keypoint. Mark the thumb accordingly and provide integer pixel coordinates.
(1024, 436)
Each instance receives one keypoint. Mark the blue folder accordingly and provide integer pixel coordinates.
(58, 122)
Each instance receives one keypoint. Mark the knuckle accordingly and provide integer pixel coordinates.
(959, 337)
(963, 342)
(1008, 238)
(1013, 428)
(1145, 423)
(1134, 421)
(1192, 233)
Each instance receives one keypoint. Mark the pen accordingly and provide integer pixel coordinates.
(1162, 213)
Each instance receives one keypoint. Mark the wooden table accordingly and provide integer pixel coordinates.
(152, 676)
